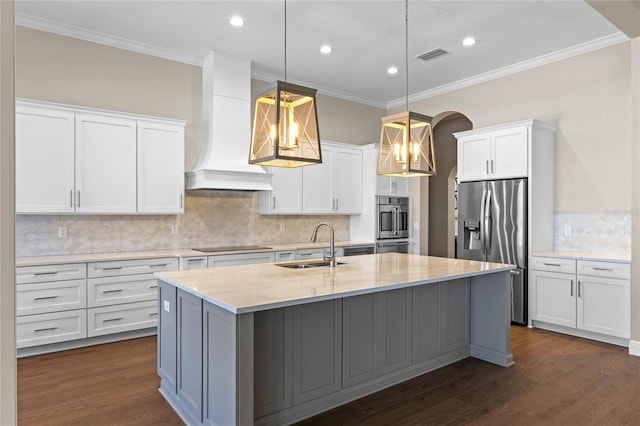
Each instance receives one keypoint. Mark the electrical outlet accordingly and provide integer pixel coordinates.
(62, 232)
(166, 305)
(282, 227)
(567, 231)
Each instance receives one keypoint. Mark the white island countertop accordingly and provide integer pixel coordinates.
(250, 288)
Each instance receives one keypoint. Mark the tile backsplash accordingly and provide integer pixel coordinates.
(211, 218)
(604, 233)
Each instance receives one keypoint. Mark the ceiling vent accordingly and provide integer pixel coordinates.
(432, 54)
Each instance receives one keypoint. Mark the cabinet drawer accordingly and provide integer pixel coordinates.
(129, 267)
(116, 319)
(45, 273)
(41, 329)
(553, 264)
(604, 269)
(193, 262)
(51, 297)
(240, 259)
(316, 253)
(116, 290)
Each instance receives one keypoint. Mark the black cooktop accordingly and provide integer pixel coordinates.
(230, 248)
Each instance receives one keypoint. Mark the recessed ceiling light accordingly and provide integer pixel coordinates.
(469, 41)
(326, 49)
(236, 21)
(392, 70)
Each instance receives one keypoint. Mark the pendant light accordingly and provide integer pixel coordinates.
(285, 123)
(406, 142)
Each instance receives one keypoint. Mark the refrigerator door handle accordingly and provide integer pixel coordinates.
(482, 226)
(487, 223)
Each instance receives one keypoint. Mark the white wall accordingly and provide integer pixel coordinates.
(587, 98)
(7, 224)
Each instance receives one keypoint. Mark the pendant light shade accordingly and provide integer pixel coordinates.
(285, 127)
(285, 123)
(406, 141)
(406, 146)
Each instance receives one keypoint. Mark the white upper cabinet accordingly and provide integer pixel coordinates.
(44, 160)
(80, 160)
(332, 187)
(494, 153)
(160, 167)
(393, 186)
(286, 196)
(335, 186)
(105, 164)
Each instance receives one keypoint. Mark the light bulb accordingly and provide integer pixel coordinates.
(293, 135)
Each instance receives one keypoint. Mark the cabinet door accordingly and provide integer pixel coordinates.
(401, 186)
(286, 197)
(240, 259)
(317, 185)
(167, 337)
(189, 355)
(44, 160)
(317, 350)
(509, 153)
(553, 298)
(604, 305)
(359, 319)
(393, 329)
(348, 181)
(474, 153)
(272, 375)
(105, 164)
(160, 168)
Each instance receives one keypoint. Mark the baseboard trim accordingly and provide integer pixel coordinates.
(634, 347)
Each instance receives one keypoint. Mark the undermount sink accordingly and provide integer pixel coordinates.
(306, 264)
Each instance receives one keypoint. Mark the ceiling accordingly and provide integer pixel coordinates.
(367, 37)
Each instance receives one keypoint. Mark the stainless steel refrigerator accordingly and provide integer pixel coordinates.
(492, 226)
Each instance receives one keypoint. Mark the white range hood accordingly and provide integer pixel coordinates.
(223, 162)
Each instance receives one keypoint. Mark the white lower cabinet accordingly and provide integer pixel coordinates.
(241, 259)
(119, 318)
(66, 302)
(199, 262)
(589, 296)
(42, 329)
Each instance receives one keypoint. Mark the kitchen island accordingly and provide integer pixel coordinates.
(269, 344)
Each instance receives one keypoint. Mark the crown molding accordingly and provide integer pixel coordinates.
(515, 68)
(107, 40)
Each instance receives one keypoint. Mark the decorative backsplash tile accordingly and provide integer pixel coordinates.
(605, 233)
(211, 218)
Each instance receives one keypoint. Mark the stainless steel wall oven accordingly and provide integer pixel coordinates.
(392, 224)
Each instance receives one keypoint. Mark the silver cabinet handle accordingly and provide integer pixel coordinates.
(579, 284)
(71, 198)
(514, 272)
(112, 291)
(153, 286)
(602, 269)
(45, 329)
(78, 200)
(492, 169)
(44, 273)
(486, 166)
(571, 288)
(45, 298)
(112, 320)
(274, 202)
(552, 264)
(114, 268)
(337, 204)
(158, 265)
(181, 196)
(153, 314)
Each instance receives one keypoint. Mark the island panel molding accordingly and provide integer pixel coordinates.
(275, 345)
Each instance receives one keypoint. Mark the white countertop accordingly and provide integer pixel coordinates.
(148, 254)
(583, 255)
(250, 288)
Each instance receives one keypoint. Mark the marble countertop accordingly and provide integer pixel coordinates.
(583, 255)
(241, 289)
(148, 254)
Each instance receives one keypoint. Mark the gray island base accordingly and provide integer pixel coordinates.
(268, 345)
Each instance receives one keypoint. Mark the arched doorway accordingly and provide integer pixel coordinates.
(437, 195)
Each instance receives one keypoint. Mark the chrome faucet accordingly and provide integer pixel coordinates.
(332, 251)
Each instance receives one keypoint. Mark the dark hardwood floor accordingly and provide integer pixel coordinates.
(557, 380)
